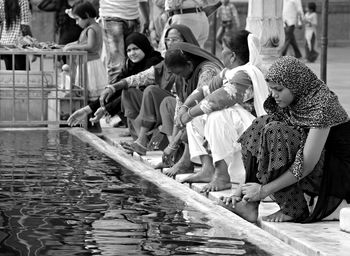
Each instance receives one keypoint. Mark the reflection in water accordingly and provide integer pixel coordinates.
(58, 196)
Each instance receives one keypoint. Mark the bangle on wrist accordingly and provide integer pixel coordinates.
(189, 113)
(185, 106)
(173, 147)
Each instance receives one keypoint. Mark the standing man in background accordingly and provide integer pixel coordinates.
(189, 13)
(118, 19)
(292, 17)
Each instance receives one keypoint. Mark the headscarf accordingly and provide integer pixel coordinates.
(252, 69)
(202, 58)
(314, 105)
(162, 76)
(151, 58)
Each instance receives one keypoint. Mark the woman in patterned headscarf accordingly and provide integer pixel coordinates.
(301, 147)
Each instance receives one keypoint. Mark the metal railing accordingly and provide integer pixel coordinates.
(42, 94)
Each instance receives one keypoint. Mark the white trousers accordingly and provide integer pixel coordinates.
(221, 129)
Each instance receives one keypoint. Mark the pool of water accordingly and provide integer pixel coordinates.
(60, 196)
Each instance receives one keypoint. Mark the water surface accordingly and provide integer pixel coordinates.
(59, 196)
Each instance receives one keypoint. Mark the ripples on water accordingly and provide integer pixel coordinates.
(59, 196)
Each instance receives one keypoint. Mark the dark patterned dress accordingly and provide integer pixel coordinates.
(274, 144)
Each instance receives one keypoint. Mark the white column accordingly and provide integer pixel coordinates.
(264, 20)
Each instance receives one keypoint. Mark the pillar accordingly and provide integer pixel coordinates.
(265, 21)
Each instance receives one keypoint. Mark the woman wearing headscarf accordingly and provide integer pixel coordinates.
(140, 56)
(224, 111)
(301, 147)
(144, 92)
(198, 69)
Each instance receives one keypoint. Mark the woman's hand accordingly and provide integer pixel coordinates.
(78, 116)
(252, 192)
(105, 95)
(235, 198)
(68, 47)
(179, 122)
(169, 155)
(100, 112)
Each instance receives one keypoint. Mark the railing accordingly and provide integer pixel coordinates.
(42, 95)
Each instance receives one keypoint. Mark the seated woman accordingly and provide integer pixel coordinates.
(142, 105)
(224, 112)
(140, 56)
(301, 147)
(197, 68)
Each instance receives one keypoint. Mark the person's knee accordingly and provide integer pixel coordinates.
(150, 90)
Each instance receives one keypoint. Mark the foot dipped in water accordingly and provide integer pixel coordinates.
(278, 216)
(244, 209)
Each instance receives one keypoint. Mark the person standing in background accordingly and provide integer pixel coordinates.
(118, 19)
(90, 40)
(228, 15)
(292, 17)
(310, 21)
(189, 13)
(15, 18)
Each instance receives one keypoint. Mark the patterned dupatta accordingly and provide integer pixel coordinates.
(314, 106)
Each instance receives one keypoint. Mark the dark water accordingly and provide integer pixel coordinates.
(59, 196)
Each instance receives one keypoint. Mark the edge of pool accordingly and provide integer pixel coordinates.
(321, 238)
(219, 215)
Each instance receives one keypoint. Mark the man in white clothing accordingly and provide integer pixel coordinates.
(292, 17)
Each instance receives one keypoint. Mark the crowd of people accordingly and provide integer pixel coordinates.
(285, 127)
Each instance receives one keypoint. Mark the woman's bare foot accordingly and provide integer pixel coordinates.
(246, 210)
(277, 217)
(179, 168)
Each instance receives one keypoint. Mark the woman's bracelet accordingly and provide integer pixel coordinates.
(185, 106)
(175, 147)
(189, 113)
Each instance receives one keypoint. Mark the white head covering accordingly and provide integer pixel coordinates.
(252, 68)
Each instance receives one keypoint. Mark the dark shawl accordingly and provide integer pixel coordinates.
(152, 57)
(162, 76)
(202, 58)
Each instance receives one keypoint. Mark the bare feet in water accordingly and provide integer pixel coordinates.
(277, 217)
(244, 209)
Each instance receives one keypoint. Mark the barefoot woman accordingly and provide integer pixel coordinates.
(301, 147)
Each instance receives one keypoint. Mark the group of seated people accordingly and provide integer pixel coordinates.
(283, 125)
